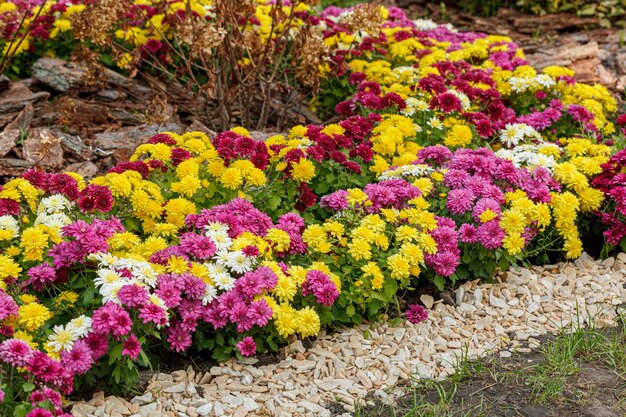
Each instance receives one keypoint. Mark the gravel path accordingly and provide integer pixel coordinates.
(348, 367)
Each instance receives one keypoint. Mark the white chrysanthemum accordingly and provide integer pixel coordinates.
(512, 134)
(109, 291)
(450, 27)
(546, 161)
(464, 99)
(55, 203)
(424, 24)
(221, 258)
(61, 339)
(55, 220)
(146, 274)
(103, 258)
(217, 226)
(80, 326)
(520, 84)
(421, 105)
(435, 123)
(506, 154)
(528, 156)
(220, 238)
(107, 276)
(9, 223)
(214, 269)
(238, 262)
(545, 80)
(408, 111)
(224, 281)
(414, 105)
(304, 143)
(210, 292)
(141, 270)
(413, 170)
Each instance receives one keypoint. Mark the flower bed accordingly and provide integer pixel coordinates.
(453, 158)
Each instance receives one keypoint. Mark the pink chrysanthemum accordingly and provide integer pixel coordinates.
(416, 313)
(8, 307)
(41, 275)
(15, 352)
(98, 344)
(133, 295)
(178, 338)
(152, 313)
(247, 347)
(132, 347)
(79, 359)
(39, 412)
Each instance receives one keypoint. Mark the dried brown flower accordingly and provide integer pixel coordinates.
(96, 20)
(365, 17)
(313, 53)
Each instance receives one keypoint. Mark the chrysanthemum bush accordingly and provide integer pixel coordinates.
(453, 158)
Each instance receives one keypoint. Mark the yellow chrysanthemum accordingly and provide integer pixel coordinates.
(307, 322)
(32, 316)
(303, 170)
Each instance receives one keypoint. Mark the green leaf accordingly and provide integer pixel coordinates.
(20, 411)
(116, 353)
(88, 296)
(28, 386)
(274, 202)
(440, 282)
(395, 321)
(350, 310)
(389, 289)
(106, 59)
(144, 360)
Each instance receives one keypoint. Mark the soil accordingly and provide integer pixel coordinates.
(499, 390)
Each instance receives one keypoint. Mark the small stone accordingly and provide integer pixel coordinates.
(191, 389)
(304, 365)
(460, 292)
(250, 404)
(178, 388)
(532, 307)
(146, 409)
(98, 399)
(467, 308)
(218, 409)
(365, 380)
(478, 295)
(297, 346)
(232, 400)
(205, 409)
(246, 379)
(314, 408)
(83, 410)
(398, 334)
(505, 354)
(498, 302)
(427, 300)
(143, 399)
